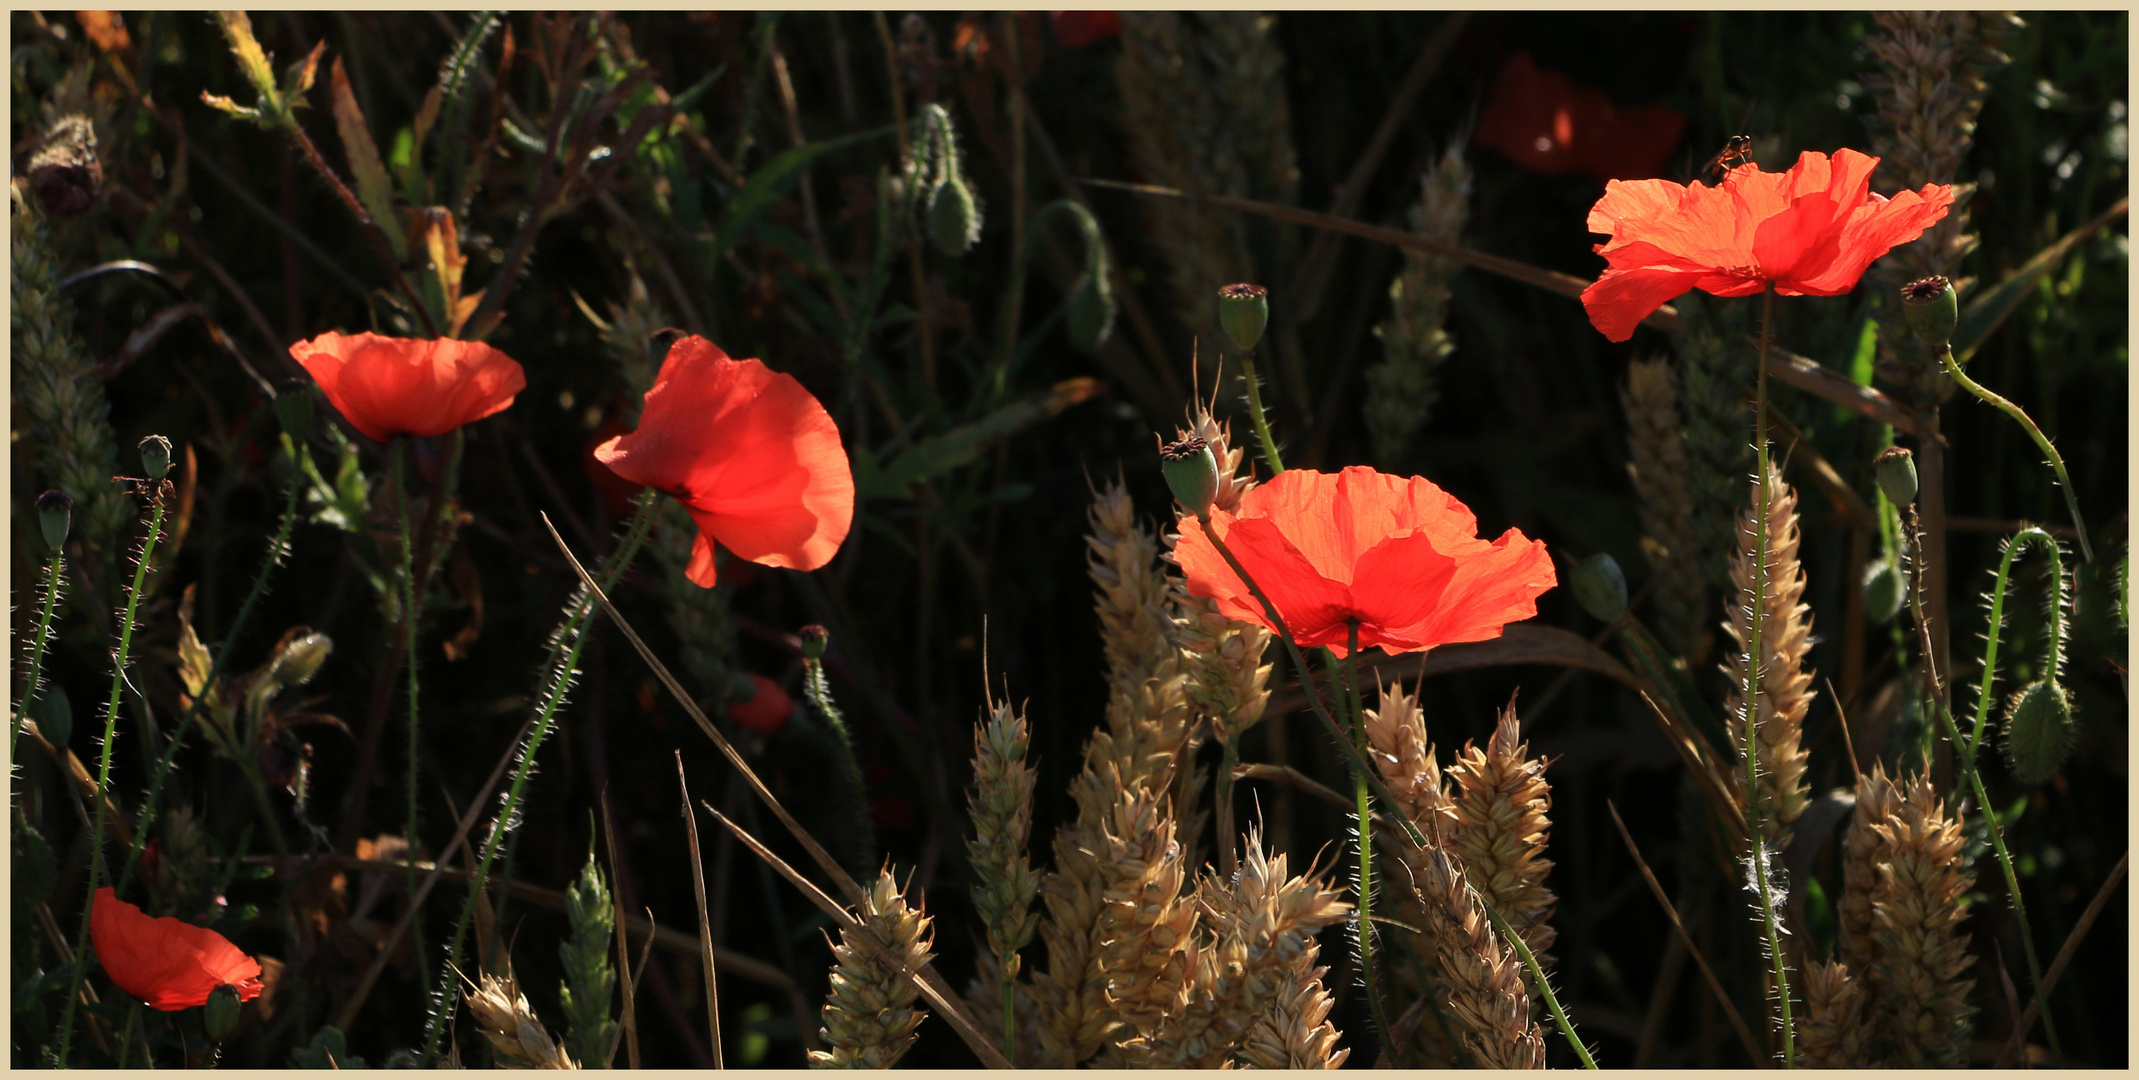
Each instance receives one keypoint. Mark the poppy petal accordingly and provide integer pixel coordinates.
(1496, 585)
(167, 964)
(386, 386)
(1619, 300)
(1309, 603)
(1405, 579)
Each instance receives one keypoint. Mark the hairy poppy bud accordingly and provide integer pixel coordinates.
(55, 515)
(299, 660)
(293, 406)
(1882, 592)
(2038, 732)
(1932, 310)
(1896, 469)
(1601, 587)
(814, 639)
(220, 1015)
(156, 456)
(1243, 311)
(1091, 313)
(54, 715)
(953, 215)
(1192, 472)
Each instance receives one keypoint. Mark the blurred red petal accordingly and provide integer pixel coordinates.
(167, 964)
(388, 386)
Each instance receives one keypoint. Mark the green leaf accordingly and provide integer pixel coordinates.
(374, 187)
(940, 454)
(765, 186)
(1989, 309)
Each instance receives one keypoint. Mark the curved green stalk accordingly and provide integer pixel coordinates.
(570, 640)
(111, 725)
(1255, 413)
(37, 653)
(2057, 461)
(2013, 548)
(1754, 655)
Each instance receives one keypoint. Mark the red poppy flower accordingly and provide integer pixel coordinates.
(1396, 554)
(1076, 29)
(765, 712)
(167, 964)
(754, 458)
(1549, 125)
(410, 386)
(1810, 231)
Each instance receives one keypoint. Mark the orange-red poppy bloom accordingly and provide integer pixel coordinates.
(765, 712)
(1077, 29)
(390, 386)
(1810, 231)
(1395, 554)
(167, 964)
(754, 458)
(1549, 125)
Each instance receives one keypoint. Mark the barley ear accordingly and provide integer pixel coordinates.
(869, 1013)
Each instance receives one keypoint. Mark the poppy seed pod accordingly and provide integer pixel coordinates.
(156, 456)
(953, 215)
(1243, 311)
(1882, 592)
(1091, 313)
(293, 406)
(55, 516)
(1192, 472)
(2038, 732)
(1600, 587)
(1932, 310)
(1896, 469)
(220, 1015)
(814, 639)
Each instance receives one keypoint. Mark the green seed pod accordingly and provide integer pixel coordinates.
(2038, 732)
(1882, 592)
(54, 715)
(953, 215)
(1932, 310)
(1091, 313)
(220, 1015)
(1243, 311)
(1192, 472)
(156, 456)
(55, 516)
(1600, 587)
(814, 639)
(1896, 469)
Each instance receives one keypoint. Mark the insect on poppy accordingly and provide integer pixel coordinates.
(1737, 150)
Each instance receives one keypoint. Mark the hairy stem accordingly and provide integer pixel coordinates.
(1364, 811)
(1255, 414)
(2057, 460)
(2013, 549)
(1770, 926)
(37, 652)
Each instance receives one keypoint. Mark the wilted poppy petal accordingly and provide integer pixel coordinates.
(167, 964)
(386, 386)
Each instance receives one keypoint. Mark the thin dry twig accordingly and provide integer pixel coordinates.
(2064, 957)
(705, 924)
(623, 947)
(1745, 1034)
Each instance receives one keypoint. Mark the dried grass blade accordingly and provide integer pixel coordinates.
(629, 1028)
(705, 923)
(1745, 1034)
(944, 1001)
(2065, 953)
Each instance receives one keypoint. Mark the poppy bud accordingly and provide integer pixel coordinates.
(1243, 311)
(1882, 592)
(301, 659)
(2038, 732)
(55, 515)
(156, 456)
(1091, 313)
(293, 406)
(1192, 472)
(814, 640)
(54, 715)
(1601, 587)
(220, 1015)
(1932, 309)
(953, 215)
(1896, 469)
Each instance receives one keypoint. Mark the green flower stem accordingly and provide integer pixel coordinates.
(1228, 859)
(37, 653)
(1349, 671)
(570, 640)
(1255, 413)
(409, 610)
(1360, 771)
(861, 844)
(2013, 548)
(1770, 926)
(276, 548)
(2057, 461)
(111, 724)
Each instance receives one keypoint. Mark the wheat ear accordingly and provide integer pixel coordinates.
(1658, 468)
(870, 1012)
(1295, 1032)
(1917, 908)
(518, 1039)
(1414, 341)
(1487, 995)
(1502, 803)
(1832, 1031)
(1785, 680)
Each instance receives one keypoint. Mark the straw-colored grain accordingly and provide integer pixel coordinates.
(870, 1012)
(1488, 996)
(1785, 680)
(517, 1038)
(1502, 808)
(1917, 908)
(1833, 1029)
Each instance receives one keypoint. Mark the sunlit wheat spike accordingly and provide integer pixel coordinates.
(1922, 953)
(517, 1038)
(1502, 803)
(1715, 383)
(870, 1013)
(1657, 464)
(1295, 1032)
(1878, 799)
(1227, 681)
(1005, 882)
(1147, 925)
(1785, 644)
(1405, 386)
(1833, 1028)
(1488, 996)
